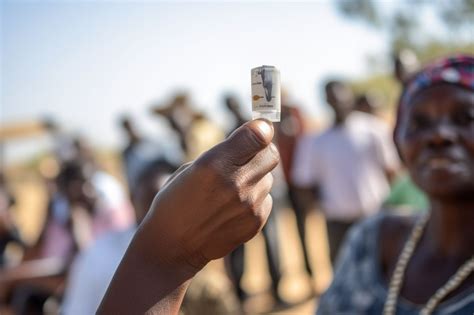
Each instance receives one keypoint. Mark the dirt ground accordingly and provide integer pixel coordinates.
(295, 286)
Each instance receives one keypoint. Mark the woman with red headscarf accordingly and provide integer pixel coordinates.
(420, 264)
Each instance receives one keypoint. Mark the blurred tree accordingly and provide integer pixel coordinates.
(403, 21)
(382, 83)
(450, 30)
(457, 12)
(363, 9)
(435, 49)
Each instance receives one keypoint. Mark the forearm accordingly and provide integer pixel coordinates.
(143, 284)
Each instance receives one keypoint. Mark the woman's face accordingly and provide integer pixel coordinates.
(436, 140)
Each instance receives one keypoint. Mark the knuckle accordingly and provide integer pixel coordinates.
(275, 155)
(207, 168)
(249, 206)
(269, 179)
(231, 194)
(239, 183)
(232, 186)
(264, 186)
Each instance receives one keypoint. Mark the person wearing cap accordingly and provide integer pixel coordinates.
(420, 263)
(196, 132)
(141, 149)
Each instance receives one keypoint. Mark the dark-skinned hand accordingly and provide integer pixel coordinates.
(221, 200)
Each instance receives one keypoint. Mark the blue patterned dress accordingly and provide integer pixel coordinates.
(358, 286)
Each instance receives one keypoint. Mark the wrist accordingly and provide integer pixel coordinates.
(165, 252)
(153, 280)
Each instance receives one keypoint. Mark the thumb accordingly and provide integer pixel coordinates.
(249, 139)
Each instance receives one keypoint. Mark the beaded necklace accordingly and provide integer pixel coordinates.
(397, 278)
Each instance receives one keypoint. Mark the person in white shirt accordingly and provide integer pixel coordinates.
(350, 165)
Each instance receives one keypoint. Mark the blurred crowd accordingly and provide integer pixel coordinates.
(349, 172)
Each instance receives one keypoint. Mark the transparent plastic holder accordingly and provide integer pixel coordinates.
(266, 90)
(273, 116)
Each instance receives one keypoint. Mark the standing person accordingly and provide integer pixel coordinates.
(287, 133)
(196, 132)
(350, 164)
(131, 159)
(232, 105)
(422, 263)
(141, 150)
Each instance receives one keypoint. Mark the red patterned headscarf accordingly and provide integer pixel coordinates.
(457, 70)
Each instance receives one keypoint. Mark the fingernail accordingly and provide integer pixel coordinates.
(265, 127)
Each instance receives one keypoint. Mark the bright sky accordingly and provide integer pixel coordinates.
(86, 62)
